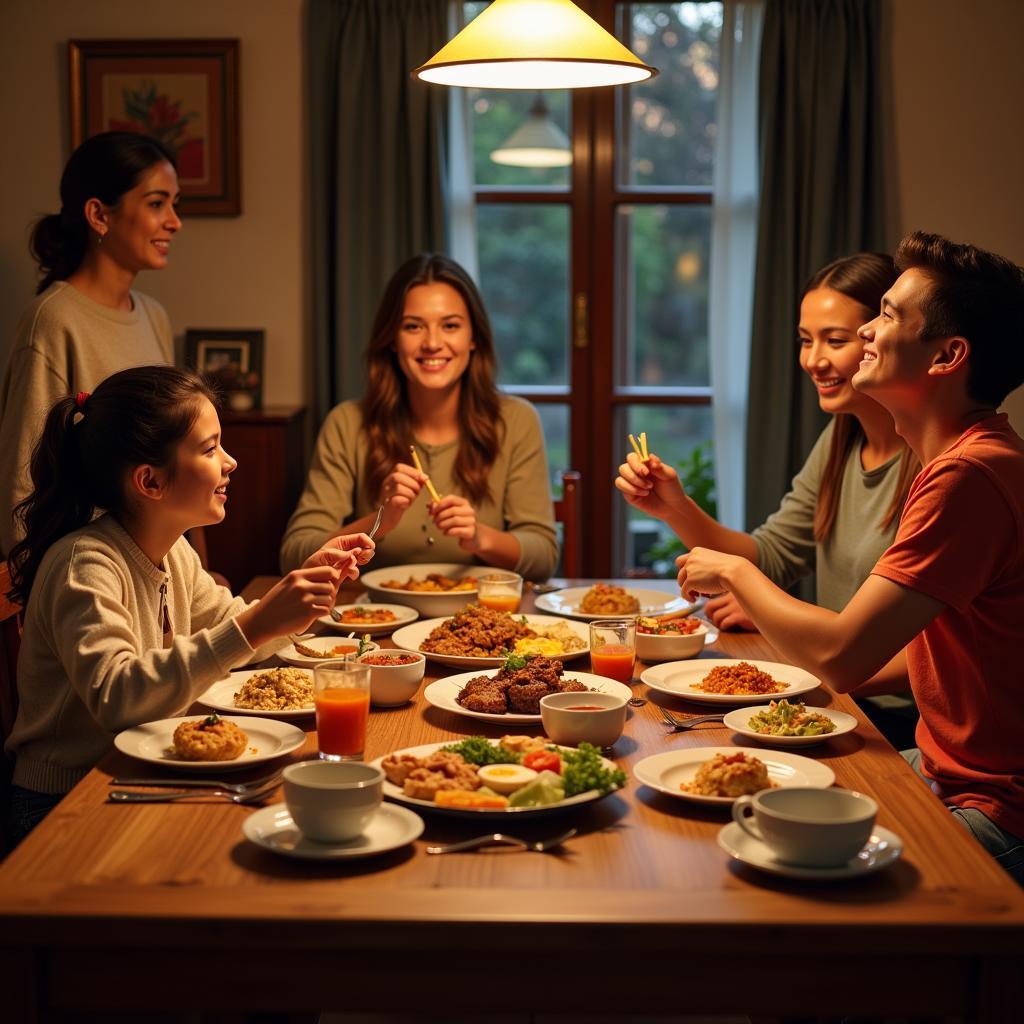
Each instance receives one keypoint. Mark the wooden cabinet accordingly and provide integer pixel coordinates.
(264, 490)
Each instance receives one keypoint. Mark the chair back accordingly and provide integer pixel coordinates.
(568, 513)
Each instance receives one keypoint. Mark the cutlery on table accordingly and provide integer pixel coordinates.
(377, 519)
(123, 796)
(231, 787)
(501, 839)
(682, 724)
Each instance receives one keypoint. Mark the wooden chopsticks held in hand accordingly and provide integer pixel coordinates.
(419, 466)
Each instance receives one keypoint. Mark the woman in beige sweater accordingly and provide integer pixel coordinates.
(122, 624)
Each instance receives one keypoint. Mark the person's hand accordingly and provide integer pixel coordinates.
(455, 517)
(291, 605)
(702, 571)
(651, 486)
(400, 489)
(346, 552)
(725, 612)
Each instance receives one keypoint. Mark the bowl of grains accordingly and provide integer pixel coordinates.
(276, 689)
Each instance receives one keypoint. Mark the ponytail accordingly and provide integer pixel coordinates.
(88, 446)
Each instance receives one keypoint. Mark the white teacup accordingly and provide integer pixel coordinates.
(332, 801)
(816, 828)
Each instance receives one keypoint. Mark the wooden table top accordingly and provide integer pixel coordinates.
(645, 874)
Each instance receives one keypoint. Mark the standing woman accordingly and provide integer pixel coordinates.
(431, 384)
(118, 195)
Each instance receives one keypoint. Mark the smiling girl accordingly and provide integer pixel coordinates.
(118, 195)
(431, 383)
(122, 624)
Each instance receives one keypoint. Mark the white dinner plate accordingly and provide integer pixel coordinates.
(652, 602)
(319, 643)
(410, 638)
(273, 829)
(665, 772)
(679, 679)
(403, 614)
(393, 792)
(443, 692)
(882, 849)
(739, 718)
(153, 742)
(221, 697)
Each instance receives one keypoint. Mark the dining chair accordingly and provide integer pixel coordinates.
(567, 512)
(10, 640)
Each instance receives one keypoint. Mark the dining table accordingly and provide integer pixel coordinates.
(108, 907)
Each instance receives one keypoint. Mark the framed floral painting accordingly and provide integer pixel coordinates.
(182, 91)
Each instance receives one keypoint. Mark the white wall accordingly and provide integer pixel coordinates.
(246, 271)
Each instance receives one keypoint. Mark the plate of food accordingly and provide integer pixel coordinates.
(478, 777)
(431, 588)
(478, 637)
(315, 650)
(371, 619)
(213, 743)
(278, 692)
(728, 680)
(512, 693)
(718, 775)
(785, 723)
(608, 601)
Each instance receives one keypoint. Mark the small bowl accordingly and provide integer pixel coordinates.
(651, 647)
(391, 685)
(601, 722)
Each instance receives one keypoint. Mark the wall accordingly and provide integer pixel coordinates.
(246, 271)
(957, 82)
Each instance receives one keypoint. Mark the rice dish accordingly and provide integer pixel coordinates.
(729, 775)
(278, 689)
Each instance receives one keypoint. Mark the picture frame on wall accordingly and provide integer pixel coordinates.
(232, 360)
(183, 92)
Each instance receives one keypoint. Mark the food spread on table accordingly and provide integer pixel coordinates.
(517, 687)
(740, 678)
(209, 739)
(432, 583)
(781, 718)
(729, 775)
(479, 632)
(608, 599)
(667, 627)
(364, 616)
(276, 689)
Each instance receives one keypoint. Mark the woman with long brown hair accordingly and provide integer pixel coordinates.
(431, 386)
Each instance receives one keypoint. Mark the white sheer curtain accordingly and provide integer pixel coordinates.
(733, 248)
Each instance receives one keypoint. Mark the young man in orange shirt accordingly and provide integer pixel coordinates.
(948, 595)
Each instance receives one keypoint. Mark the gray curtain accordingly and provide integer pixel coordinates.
(377, 174)
(821, 198)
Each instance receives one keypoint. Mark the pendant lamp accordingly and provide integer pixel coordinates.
(537, 142)
(533, 44)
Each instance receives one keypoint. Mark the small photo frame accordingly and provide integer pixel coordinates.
(183, 92)
(232, 360)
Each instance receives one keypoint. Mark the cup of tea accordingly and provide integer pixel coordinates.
(341, 695)
(815, 828)
(613, 648)
(502, 591)
(332, 801)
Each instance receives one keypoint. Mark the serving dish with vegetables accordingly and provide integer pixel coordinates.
(513, 775)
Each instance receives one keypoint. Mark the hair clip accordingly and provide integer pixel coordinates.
(80, 399)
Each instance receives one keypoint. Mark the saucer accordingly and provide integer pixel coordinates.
(273, 829)
(882, 849)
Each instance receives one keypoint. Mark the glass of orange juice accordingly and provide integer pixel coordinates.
(613, 648)
(502, 591)
(341, 693)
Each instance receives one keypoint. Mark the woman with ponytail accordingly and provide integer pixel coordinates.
(122, 624)
(118, 195)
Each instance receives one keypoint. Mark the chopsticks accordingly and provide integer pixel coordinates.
(419, 466)
(641, 448)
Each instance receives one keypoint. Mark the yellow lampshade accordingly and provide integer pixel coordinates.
(534, 44)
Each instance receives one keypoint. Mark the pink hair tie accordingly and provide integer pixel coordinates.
(80, 399)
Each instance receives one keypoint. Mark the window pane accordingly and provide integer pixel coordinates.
(524, 277)
(554, 421)
(662, 266)
(667, 125)
(673, 432)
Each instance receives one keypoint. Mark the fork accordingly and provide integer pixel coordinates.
(231, 787)
(501, 839)
(681, 724)
(377, 519)
(123, 796)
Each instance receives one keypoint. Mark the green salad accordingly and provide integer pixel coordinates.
(781, 718)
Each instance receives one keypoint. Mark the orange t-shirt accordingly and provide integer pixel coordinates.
(961, 541)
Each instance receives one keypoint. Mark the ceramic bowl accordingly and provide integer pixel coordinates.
(391, 685)
(430, 604)
(651, 648)
(590, 717)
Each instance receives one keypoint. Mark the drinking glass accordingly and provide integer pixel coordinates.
(613, 648)
(341, 693)
(502, 591)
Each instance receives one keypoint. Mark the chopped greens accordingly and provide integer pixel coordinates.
(478, 750)
(582, 769)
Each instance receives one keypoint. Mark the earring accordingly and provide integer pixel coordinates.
(99, 241)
